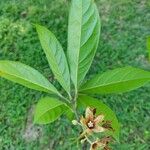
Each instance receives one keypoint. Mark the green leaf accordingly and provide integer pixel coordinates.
(101, 108)
(25, 75)
(48, 110)
(148, 46)
(83, 38)
(70, 114)
(116, 81)
(55, 56)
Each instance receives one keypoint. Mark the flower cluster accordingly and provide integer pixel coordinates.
(94, 124)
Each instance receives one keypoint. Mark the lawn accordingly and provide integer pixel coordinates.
(125, 26)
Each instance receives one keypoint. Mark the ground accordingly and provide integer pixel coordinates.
(125, 26)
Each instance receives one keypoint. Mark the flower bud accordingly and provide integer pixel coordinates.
(75, 122)
(83, 140)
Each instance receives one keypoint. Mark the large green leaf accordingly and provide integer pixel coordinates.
(55, 56)
(83, 38)
(48, 110)
(25, 75)
(116, 81)
(86, 101)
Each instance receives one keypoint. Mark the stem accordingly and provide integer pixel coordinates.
(75, 111)
(74, 102)
(88, 139)
(64, 98)
(84, 134)
(69, 96)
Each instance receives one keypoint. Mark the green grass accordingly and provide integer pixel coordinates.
(125, 26)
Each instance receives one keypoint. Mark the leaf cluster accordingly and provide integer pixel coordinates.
(70, 70)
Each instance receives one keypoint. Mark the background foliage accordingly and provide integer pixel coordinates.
(125, 26)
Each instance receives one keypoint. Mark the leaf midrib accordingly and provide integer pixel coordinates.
(28, 81)
(112, 84)
(58, 69)
(77, 69)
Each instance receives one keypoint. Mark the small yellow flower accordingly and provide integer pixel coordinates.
(103, 143)
(91, 122)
